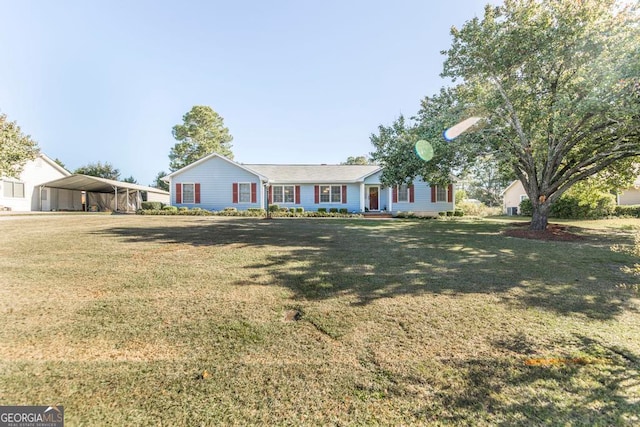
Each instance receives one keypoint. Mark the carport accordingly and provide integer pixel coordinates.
(101, 194)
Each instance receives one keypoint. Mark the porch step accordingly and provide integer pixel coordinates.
(377, 215)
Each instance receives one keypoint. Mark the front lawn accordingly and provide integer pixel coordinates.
(137, 320)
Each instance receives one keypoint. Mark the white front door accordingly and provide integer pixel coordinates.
(45, 200)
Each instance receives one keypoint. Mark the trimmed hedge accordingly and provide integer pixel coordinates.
(251, 212)
(151, 205)
(628, 210)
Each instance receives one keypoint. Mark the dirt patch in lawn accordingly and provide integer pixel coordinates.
(553, 232)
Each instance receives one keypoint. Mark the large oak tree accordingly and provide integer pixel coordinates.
(558, 85)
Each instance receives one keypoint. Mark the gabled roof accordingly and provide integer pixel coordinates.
(204, 159)
(295, 174)
(317, 174)
(509, 186)
(97, 185)
(54, 164)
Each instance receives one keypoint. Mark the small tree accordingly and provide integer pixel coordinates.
(16, 148)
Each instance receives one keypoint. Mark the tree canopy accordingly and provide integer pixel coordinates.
(557, 83)
(16, 148)
(100, 170)
(358, 160)
(201, 133)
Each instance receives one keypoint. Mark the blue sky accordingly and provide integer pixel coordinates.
(295, 81)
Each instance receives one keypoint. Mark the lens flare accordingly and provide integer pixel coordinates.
(424, 150)
(456, 130)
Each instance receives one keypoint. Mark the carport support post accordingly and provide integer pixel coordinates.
(115, 189)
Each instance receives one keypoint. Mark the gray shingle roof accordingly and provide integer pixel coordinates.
(292, 174)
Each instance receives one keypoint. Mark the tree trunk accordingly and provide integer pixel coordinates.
(539, 217)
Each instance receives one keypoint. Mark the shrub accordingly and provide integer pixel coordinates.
(344, 211)
(628, 210)
(256, 211)
(170, 209)
(442, 213)
(274, 208)
(458, 212)
(322, 210)
(449, 213)
(333, 210)
(151, 206)
(230, 209)
(526, 207)
(477, 209)
(183, 209)
(583, 205)
(300, 210)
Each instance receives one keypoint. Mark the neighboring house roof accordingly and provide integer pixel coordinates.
(314, 173)
(509, 187)
(54, 164)
(97, 185)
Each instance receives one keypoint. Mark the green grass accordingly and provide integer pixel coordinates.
(130, 320)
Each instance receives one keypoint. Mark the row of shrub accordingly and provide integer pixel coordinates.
(572, 207)
(274, 211)
(443, 214)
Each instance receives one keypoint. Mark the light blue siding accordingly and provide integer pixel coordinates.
(216, 177)
(422, 200)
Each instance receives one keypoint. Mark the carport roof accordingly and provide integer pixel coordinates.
(97, 185)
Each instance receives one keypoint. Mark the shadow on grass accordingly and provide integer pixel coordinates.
(596, 391)
(368, 260)
(363, 261)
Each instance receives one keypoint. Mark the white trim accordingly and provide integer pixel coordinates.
(239, 192)
(369, 196)
(408, 198)
(320, 202)
(182, 202)
(273, 201)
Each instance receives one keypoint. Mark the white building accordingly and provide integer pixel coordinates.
(24, 193)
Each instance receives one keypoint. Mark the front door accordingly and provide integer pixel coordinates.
(44, 199)
(374, 203)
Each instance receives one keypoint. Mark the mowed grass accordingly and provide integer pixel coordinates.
(134, 320)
